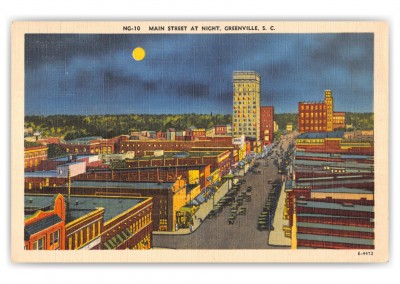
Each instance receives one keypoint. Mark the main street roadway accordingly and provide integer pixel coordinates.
(216, 233)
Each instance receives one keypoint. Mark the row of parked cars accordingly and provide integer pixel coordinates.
(266, 217)
(234, 198)
(237, 207)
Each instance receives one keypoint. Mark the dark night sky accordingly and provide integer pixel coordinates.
(95, 74)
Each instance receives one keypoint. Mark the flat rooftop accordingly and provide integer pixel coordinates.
(65, 158)
(347, 164)
(82, 205)
(321, 135)
(328, 155)
(343, 190)
(190, 154)
(333, 239)
(83, 140)
(334, 206)
(116, 184)
(44, 174)
(334, 183)
(334, 227)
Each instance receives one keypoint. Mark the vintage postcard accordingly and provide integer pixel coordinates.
(200, 142)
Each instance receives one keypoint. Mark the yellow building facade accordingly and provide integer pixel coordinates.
(246, 104)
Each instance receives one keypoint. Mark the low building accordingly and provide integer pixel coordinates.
(168, 197)
(332, 225)
(33, 156)
(88, 222)
(44, 225)
(194, 133)
(220, 129)
(289, 127)
(71, 169)
(333, 142)
(141, 148)
(89, 145)
(189, 173)
(171, 133)
(216, 159)
(339, 120)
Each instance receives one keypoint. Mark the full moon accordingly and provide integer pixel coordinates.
(138, 53)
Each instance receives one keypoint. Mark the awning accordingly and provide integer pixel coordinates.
(200, 199)
(229, 176)
(193, 203)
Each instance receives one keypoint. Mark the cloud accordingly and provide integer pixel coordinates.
(194, 72)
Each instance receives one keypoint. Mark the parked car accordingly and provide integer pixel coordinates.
(242, 211)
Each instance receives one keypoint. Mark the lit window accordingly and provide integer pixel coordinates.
(39, 244)
(55, 238)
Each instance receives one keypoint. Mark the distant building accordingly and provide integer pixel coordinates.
(276, 127)
(289, 127)
(33, 156)
(267, 124)
(339, 120)
(210, 132)
(74, 169)
(171, 134)
(220, 129)
(142, 148)
(246, 104)
(319, 116)
(333, 142)
(193, 133)
(161, 135)
(89, 145)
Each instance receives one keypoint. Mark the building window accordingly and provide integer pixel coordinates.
(39, 244)
(55, 238)
(76, 241)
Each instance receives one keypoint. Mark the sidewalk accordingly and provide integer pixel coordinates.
(201, 213)
(277, 236)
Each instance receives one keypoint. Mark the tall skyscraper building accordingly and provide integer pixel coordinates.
(246, 104)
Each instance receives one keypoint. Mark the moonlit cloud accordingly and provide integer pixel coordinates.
(95, 74)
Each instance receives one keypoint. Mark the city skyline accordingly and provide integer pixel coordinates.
(96, 74)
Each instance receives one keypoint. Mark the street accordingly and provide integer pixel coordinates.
(216, 233)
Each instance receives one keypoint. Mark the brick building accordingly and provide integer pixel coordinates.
(267, 124)
(90, 145)
(320, 116)
(88, 222)
(220, 130)
(339, 120)
(333, 142)
(143, 148)
(33, 156)
(44, 223)
(168, 197)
